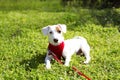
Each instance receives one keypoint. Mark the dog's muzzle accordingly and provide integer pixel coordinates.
(55, 40)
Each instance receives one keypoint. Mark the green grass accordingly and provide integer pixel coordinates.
(30, 5)
(23, 47)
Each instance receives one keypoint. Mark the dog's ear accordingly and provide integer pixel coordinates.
(63, 27)
(45, 30)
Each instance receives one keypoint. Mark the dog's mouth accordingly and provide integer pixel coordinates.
(56, 41)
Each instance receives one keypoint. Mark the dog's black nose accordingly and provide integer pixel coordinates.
(55, 40)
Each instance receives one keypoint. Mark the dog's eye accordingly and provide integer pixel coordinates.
(50, 32)
(59, 31)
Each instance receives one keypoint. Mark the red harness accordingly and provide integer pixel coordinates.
(57, 50)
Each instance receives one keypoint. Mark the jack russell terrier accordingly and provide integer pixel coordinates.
(64, 48)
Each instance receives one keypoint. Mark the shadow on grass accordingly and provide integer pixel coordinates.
(33, 62)
(108, 18)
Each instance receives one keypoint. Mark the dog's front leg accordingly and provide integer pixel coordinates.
(67, 60)
(47, 61)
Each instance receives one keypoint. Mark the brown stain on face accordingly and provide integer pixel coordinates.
(58, 29)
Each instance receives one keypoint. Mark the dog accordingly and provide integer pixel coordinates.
(64, 48)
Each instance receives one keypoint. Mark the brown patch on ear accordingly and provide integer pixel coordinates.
(58, 29)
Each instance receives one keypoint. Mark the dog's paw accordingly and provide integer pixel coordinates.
(48, 67)
(66, 64)
(86, 62)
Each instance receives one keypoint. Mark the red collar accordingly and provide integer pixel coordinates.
(57, 50)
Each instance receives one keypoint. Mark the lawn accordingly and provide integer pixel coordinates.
(23, 46)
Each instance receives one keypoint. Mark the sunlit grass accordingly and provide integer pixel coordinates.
(23, 47)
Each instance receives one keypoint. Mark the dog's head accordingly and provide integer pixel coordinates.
(55, 33)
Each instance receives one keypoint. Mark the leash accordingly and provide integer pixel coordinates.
(80, 73)
(73, 67)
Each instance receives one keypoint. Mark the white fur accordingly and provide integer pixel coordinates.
(71, 45)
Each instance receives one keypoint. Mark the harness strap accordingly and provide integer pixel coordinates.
(55, 57)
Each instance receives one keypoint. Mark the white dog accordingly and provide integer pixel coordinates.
(64, 48)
